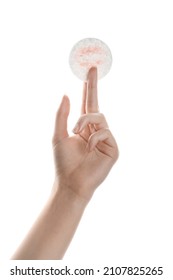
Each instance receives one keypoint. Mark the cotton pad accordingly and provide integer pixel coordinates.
(87, 53)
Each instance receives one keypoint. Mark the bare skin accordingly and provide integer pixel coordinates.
(82, 162)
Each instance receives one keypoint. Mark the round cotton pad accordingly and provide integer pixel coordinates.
(87, 53)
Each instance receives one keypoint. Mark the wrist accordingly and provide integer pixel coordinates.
(68, 195)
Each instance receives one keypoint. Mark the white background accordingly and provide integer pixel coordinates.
(129, 220)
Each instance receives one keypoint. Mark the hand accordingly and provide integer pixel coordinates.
(81, 163)
(84, 160)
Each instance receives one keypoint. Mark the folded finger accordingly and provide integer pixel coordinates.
(101, 135)
(96, 119)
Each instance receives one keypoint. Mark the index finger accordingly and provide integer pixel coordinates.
(92, 99)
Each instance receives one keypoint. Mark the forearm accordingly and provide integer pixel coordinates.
(53, 230)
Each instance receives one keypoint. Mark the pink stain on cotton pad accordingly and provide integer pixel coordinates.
(87, 53)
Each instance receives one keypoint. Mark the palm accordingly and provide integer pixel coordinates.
(76, 164)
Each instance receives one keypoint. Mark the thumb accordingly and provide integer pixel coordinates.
(61, 120)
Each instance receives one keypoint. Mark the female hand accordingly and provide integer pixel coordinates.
(83, 160)
(81, 164)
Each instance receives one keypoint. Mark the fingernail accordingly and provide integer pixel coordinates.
(76, 128)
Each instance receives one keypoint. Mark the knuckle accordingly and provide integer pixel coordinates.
(116, 154)
(81, 119)
(102, 115)
(107, 131)
(102, 118)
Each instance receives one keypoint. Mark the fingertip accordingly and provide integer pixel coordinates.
(92, 73)
(76, 129)
(66, 99)
(93, 69)
(65, 105)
